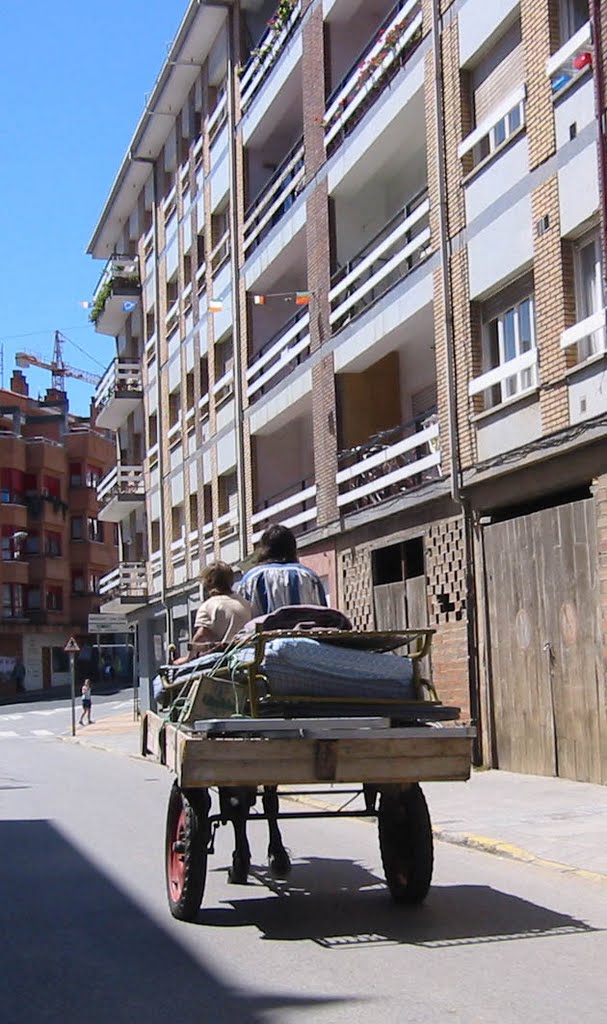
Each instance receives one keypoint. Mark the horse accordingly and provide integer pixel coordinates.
(235, 803)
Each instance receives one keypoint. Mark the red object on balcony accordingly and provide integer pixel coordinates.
(583, 60)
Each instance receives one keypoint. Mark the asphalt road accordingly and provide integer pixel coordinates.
(53, 717)
(87, 936)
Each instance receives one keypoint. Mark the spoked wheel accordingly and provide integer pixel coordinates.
(405, 841)
(186, 851)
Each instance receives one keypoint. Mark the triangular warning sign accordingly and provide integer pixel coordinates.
(71, 646)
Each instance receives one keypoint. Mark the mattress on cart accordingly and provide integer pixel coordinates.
(303, 667)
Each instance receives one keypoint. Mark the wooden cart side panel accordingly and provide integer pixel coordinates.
(151, 736)
(276, 762)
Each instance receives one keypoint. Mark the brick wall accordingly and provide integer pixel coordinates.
(539, 26)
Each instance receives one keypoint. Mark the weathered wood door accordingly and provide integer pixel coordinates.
(547, 686)
(403, 605)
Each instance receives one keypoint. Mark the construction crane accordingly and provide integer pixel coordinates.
(59, 369)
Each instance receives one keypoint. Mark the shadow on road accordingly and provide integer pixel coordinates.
(352, 907)
(77, 949)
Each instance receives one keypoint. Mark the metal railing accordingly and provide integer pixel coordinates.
(129, 579)
(390, 463)
(121, 377)
(276, 197)
(400, 245)
(395, 41)
(295, 506)
(121, 480)
(264, 56)
(280, 354)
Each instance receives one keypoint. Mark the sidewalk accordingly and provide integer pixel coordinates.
(553, 822)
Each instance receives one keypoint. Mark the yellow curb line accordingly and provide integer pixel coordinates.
(481, 843)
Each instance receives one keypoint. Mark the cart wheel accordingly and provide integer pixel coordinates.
(405, 841)
(186, 851)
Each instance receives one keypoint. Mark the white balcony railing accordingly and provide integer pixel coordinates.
(405, 240)
(219, 116)
(207, 536)
(276, 198)
(221, 252)
(590, 330)
(127, 480)
(395, 39)
(264, 57)
(282, 511)
(383, 474)
(281, 354)
(227, 524)
(129, 579)
(121, 377)
(571, 59)
(224, 387)
(515, 377)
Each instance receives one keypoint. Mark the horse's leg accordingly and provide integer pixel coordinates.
(235, 804)
(278, 858)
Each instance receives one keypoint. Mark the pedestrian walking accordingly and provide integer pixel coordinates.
(85, 717)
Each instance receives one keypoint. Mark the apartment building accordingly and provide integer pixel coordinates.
(355, 277)
(54, 549)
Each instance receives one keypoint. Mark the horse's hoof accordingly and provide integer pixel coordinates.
(279, 863)
(238, 874)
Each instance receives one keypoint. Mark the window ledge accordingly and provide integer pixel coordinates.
(503, 146)
(600, 357)
(531, 393)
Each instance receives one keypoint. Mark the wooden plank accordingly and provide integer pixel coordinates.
(269, 750)
(151, 726)
(416, 607)
(389, 603)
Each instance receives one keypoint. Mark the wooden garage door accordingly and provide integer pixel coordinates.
(547, 686)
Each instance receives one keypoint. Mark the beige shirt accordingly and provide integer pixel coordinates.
(223, 615)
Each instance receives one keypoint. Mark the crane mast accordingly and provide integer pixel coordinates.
(58, 367)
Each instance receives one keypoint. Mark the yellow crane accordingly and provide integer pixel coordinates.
(59, 369)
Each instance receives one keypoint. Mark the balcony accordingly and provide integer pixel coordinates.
(125, 588)
(390, 464)
(391, 48)
(116, 295)
(119, 393)
(585, 380)
(571, 61)
(512, 379)
(280, 355)
(294, 507)
(264, 56)
(120, 492)
(401, 244)
(275, 199)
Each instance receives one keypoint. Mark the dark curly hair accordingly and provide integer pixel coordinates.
(277, 544)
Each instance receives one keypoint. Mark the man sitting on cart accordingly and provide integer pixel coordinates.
(221, 616)
(278, 578)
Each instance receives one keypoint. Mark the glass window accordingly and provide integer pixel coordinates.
(52, 544)
(76, 528)
(78, 583)
(93, 476)
(75, 474)
(33, 599)
(95, 530)
(54, 599)
(573, 15)
(506, 336)
(589, 293)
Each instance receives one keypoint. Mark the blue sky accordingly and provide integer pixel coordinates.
(73, 80)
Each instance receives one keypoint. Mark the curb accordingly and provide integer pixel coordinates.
(483, 844)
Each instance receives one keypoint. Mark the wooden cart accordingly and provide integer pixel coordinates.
(384, 748)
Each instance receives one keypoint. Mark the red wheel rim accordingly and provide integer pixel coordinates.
(176, 857)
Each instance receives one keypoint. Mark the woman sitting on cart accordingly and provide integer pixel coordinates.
(279, 578)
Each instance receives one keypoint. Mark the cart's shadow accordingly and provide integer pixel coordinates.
(352, 908)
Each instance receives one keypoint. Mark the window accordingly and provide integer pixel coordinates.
(32, 543)
(497, 96)
(7, 543)
(60, 661)
(33, 599)
(75, 474)
(30, 485)
(174, 407)
(189, 389)
(76, 528)
(12, 600)
(177, 520)
(589, 293)
(193, 511)
(51, 486)
(155, 536)
(78, 583)
(93, 476)
(94, 583)
(52, 544)
(54, 599)
(11, 486)
(573, 14)
(152, 430)
(95, 530)
(506, 336)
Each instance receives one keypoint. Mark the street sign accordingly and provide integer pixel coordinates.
(108, 624)
(71, 646)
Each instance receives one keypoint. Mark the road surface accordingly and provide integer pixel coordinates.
(87, 936)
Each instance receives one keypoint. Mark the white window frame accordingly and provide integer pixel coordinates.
(593, 343)
(566, 23)
(522, 380)
(487, 131)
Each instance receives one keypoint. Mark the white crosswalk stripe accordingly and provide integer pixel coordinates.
(42, 732)
(8, 735)
(12, 718)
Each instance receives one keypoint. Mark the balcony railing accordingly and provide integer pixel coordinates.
(116, 295)
(294, 507)
(281, 354)
(276, 197)
(265, 55)
(571, 60)
(224, 387)
(121, 480)
(386, 259)
(219, 116)
(589, 335)
(127, 580)
(227, 525)
(494, 130)
(121, 379)
(396, 40)
(221, 252)
(511, 379)
(391, 463)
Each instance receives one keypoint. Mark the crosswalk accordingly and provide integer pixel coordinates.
(24, 725)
